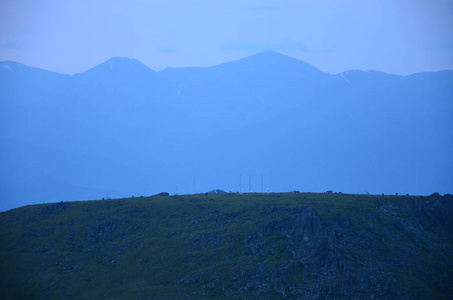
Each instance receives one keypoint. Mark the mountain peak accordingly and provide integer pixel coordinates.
(122, 65)
(117, 61)
(272, 56)
(270, 60)
(268, 53)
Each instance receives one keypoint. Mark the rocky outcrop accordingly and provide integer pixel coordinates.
(305, 226)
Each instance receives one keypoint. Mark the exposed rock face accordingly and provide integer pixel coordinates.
(305, 226)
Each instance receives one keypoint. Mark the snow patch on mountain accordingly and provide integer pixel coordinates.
(5, 67)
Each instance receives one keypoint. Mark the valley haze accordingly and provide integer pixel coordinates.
(267, 122)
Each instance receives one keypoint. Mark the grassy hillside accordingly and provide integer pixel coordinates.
(236, 246)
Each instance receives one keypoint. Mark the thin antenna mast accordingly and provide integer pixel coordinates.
(240, 183)
(262, 184)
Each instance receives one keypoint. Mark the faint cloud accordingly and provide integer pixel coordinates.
(276, 46)
(166, 50)
(9, 45)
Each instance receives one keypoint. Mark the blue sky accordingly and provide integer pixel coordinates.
(394, 36)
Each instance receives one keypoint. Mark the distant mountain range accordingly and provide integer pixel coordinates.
(265, 122)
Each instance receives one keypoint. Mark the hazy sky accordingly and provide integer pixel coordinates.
(394, 36)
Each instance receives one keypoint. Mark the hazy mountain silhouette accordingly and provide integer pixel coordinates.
(274, 121)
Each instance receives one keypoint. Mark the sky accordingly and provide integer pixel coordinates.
(394, 36)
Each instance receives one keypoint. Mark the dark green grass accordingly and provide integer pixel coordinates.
(188, 246)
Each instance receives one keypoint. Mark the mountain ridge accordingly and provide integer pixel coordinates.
(291, 125)
(11, 65)
(121, 63)
(265, 54)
